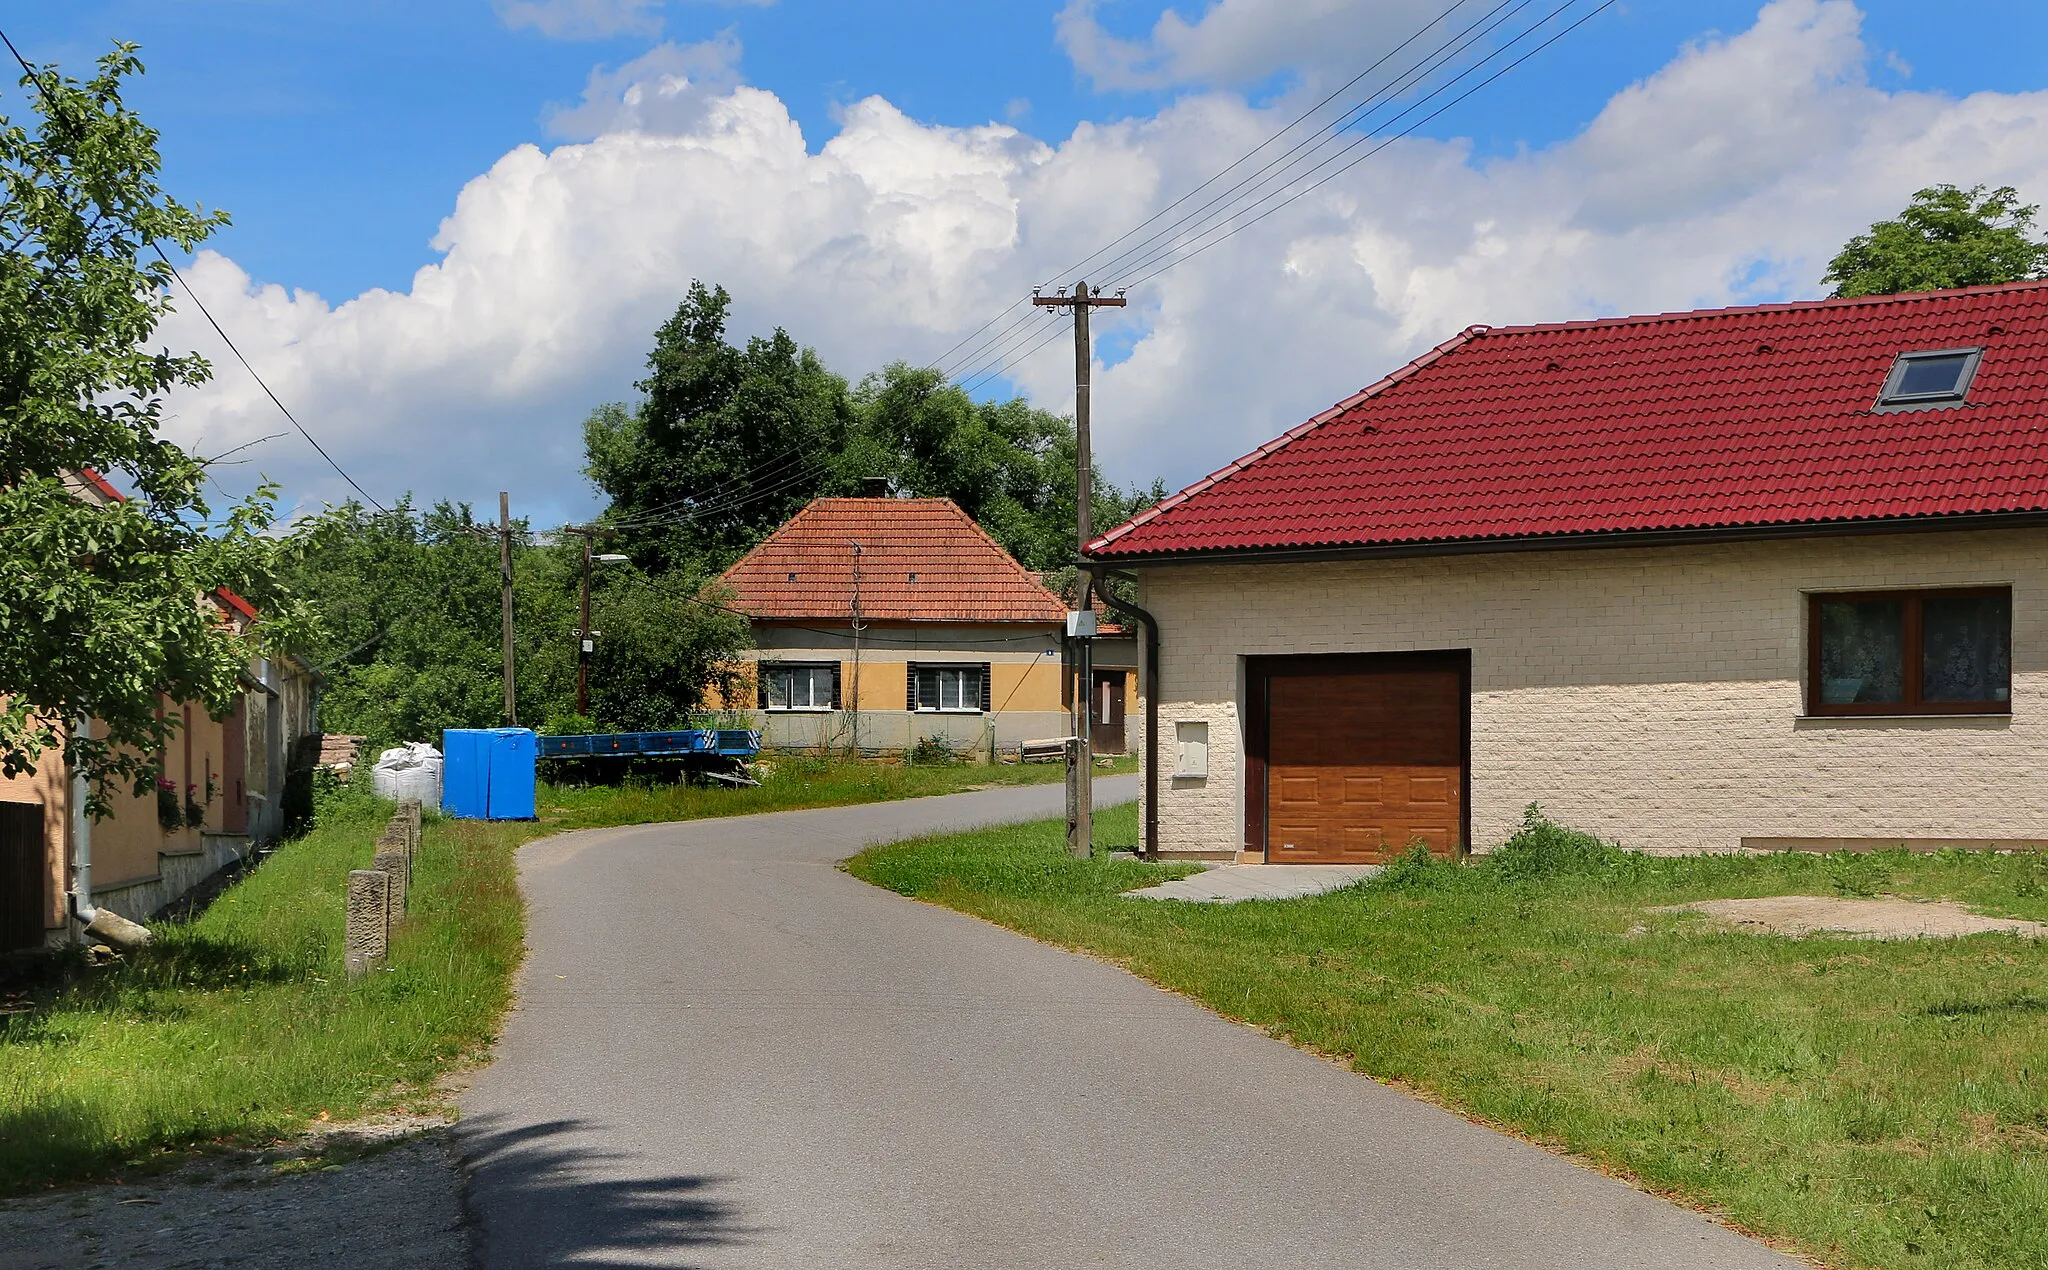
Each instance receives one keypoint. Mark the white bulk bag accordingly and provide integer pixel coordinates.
(407, 771)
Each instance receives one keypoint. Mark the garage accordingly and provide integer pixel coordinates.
(1355, 758)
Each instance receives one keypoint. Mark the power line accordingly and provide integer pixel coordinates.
(1234, 230)
(1247, 156)
(282, 408)
(998, 372)
(1479, 29)
(51, 103)
(978, 357)
(1020, 335)
(1148, 258)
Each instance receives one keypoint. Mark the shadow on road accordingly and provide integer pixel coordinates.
(534, 1197)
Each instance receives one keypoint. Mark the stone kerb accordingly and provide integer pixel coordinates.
(369, 920)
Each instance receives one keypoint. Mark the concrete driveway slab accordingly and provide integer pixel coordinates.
(729, 1053)
(1233, 882)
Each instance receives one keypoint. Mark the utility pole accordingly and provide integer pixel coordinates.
(1081, 753)
(505, 583)
(585, 637)
(853, 714)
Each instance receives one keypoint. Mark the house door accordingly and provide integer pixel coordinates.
(1106, 711)
(1360, 757)
(22, 871)
(234, 776)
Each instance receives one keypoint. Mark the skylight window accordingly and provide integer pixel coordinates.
(1940, 377)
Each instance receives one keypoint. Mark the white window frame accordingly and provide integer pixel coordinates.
(788, 672)
(959, 678)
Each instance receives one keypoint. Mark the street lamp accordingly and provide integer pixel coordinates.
(585, 642)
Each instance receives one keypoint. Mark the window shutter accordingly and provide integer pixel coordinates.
(835, 686)
(761, 684)
(984, 688)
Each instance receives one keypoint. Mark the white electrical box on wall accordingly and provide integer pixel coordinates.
(1191, 740)
(1081, 624)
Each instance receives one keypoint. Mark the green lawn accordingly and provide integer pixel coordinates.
(239, 1025)
(1871, 1103)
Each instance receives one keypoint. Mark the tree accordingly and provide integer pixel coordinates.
(1945, 238)
(1006, 463)
(412, 638)
(99, 601)
(727, 444)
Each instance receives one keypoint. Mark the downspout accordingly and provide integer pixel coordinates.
(81, 839)
(1148, 684)
(103, 925)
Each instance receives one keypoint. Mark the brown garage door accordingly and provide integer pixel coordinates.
(1364, 756)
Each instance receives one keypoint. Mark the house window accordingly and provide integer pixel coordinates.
(953, 687)
(1910, 652)
(1922, 380)
(799, 685)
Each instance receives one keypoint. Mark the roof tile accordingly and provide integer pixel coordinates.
(1721, 418)
(921, 560)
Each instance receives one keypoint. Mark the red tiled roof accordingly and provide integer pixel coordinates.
(102, 484)
(1718, 419)
(236, 602)
(921, 560)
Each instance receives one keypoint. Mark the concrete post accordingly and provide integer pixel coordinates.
(391, 858)
(409, 814)
(369, 920)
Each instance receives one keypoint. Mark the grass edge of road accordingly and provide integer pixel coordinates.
(238, 1028)
(1852, 1102)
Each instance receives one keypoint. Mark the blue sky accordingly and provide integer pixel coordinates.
(336, 134)
(339, 136)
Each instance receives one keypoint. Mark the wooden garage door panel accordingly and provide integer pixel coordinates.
(1298, 791)
(1430, 789)
(1296, 839)
(1402, 718)
(1364, 790)
(1363, 764)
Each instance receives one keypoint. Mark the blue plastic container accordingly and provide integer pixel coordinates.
(488, 773)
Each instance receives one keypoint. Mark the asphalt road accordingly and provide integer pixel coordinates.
(729, 1053)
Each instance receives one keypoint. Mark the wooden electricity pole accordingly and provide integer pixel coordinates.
(585, 639)
(1081, 753)
(505, 583)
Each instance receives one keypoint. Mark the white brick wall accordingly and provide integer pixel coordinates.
(1651, 695)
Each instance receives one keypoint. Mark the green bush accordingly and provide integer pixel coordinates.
(1542, 848)
(932, 751)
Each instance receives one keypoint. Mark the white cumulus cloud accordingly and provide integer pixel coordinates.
(1729, 176)
(1237, 42)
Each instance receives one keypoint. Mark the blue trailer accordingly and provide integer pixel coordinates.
(719, 753)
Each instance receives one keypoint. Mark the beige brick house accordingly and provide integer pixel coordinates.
(1770, 576)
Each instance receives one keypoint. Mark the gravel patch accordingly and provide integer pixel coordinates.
(381, 1193)
(1888, 918)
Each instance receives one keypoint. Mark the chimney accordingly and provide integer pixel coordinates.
(874, 487)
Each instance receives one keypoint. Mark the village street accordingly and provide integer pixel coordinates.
(729, 1053)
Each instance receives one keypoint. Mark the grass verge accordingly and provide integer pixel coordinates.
(239, 1026)
(1871, 1103)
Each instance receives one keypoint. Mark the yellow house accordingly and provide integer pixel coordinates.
(222, 791)
(884, 623)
